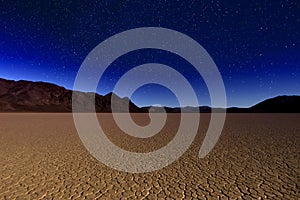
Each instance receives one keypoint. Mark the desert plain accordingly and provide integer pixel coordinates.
(256, 157)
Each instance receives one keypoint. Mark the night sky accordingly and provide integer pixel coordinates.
(255, 44)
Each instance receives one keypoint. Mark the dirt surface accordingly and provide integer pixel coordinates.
(257, 155)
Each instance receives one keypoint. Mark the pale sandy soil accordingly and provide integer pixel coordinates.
(258, 155)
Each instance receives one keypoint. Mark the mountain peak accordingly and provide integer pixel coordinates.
(28, 96)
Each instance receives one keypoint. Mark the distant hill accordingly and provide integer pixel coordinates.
(280, 104)
(28, 96)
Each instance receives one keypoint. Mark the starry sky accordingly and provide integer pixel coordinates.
(255, 44)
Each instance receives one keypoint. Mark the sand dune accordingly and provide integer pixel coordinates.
(41, 156)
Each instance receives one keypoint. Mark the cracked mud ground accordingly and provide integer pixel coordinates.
(257, 156)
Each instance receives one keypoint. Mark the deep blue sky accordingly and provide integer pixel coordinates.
(255, 44)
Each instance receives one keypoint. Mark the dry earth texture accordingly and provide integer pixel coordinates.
(257, 156)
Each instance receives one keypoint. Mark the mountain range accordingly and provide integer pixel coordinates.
(28, 96)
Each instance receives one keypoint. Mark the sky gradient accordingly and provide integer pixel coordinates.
(255, 44)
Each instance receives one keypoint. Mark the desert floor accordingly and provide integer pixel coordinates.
(257, 155)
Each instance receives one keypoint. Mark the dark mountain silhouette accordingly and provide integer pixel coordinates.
(280, 104)
(28, 96)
